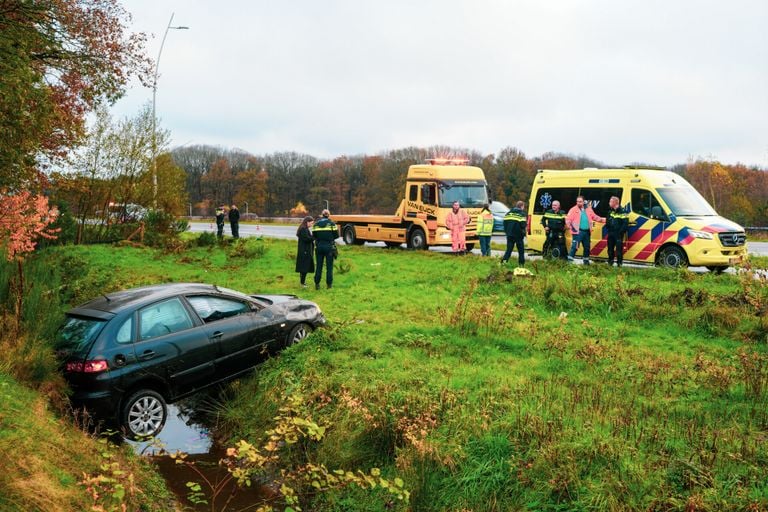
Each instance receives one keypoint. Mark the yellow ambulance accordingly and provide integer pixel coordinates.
(670, 223)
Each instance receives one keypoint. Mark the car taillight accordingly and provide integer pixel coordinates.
(95, 366)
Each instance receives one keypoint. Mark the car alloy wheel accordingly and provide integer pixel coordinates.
(298, 333)
(144, 414)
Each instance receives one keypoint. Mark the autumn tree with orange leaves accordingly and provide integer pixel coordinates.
(24, 219)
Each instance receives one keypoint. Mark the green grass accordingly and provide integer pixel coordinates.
(575, 389)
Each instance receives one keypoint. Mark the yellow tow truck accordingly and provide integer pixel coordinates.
(419, 221)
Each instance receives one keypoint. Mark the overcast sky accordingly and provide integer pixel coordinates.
(653, 81)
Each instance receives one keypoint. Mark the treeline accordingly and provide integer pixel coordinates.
(275, 184)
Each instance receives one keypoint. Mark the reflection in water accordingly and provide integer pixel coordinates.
(189, 429)
(180, 433)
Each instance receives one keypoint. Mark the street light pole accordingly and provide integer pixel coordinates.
(154, 117)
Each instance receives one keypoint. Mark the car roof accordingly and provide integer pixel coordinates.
(135, 297)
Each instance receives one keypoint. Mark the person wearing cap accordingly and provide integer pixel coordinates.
(234, 221)
(221, 212)
(325, 233)
(305, 260)
(515, 225)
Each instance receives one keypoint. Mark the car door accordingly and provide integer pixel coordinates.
(241, 328)
(173, 348)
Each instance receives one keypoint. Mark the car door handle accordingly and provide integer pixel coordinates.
(148, 354)
(216, 335)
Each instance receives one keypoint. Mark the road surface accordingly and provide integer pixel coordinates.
(289, 232)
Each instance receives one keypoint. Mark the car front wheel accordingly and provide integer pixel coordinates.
(298, 333)
(143, 414)
(673, 256)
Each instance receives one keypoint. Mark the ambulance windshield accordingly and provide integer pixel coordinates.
(685, 201)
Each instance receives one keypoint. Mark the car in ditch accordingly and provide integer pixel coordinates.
(129, 353)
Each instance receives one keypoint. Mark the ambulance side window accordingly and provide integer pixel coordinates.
(599, 198)
(545, 196)
(645, 203)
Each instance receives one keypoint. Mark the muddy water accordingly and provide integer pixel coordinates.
(186, 431)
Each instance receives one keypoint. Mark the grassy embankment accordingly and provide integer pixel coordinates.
(578, 388)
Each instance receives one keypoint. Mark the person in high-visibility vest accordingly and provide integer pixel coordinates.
(515, 224)
(616, 223)
(221, 212)
(554, 225)
(325, 233)
(485, 230)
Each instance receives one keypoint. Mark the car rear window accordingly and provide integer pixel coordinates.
(79, 332)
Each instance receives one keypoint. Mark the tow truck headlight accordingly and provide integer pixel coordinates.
(445, 236)
(700, 234)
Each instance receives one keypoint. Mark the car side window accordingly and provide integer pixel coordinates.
(211, 308)
(163, 318)
(124, 333)
(645, 203)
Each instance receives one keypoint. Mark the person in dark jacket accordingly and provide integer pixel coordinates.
(616, 222)
(554, 226)
(234, 221)
(305, 259)
(515, 225)
(325, 233)
(221, 212)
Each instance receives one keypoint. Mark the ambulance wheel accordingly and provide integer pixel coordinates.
(350, 238)
(470, 247)
(418, 240)
(672, 256)
(556, 252)
(715, 269)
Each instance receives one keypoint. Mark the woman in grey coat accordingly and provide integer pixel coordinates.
(305, 262)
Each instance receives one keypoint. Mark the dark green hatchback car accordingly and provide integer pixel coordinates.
(127, 354)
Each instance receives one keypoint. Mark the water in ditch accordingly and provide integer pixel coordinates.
(191, 429)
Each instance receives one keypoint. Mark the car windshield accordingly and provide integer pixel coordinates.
(465, 195)
(78, 333)
(685, 201)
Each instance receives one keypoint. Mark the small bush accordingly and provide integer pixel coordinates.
(247, 248)
(206, 239)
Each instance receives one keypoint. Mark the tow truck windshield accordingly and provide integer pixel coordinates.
(466, 195)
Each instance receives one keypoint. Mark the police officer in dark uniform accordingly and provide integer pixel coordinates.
(234, 221)
(515, 224)
(325, 233)
(554, 225)
(220, 214)
(616, 223)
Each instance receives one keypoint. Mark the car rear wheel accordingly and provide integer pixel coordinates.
(673, 256)
(298, 333)
(143, 414)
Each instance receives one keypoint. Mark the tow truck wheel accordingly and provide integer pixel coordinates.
(418, 240)
(470, 247)
(350, 238)
(716, 270)
(672, 256)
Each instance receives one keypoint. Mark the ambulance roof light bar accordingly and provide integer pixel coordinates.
(448, 161)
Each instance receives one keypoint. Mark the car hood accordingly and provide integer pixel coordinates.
(293, 308)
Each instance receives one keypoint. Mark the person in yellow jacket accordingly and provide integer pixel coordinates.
(485, 230)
